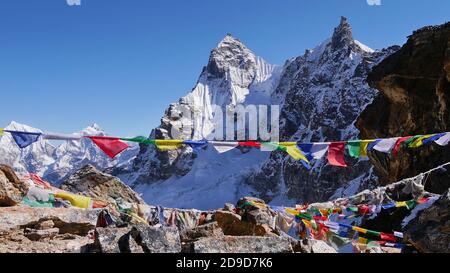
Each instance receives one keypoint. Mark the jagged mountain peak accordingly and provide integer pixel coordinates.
(342, 35)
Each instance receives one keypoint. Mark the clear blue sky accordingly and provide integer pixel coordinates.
(121, 62)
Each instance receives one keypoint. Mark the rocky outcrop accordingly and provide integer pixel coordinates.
(88, 181)
(12, 190)
(429, 231)
(242, 244)
(414, 85)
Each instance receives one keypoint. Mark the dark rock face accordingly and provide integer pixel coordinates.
(414, 84)
(90, 182)
(12, 190)
(430, 231)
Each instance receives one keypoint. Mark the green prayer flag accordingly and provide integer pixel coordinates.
(410, 204)
(409, 141)
(354, 148)
(373, 233)
(140, 139)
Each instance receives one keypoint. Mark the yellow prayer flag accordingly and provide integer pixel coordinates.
(401, 204)
(363, 241)
(78, 201)
(419, 141)
(1, 131)
(295, 152)
(363, 147)
(291, 211)
(167, 145)
(360, 230)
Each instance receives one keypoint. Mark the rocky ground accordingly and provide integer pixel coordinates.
(255, 229)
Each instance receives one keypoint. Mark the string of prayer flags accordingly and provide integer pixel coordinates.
(56, 136)
(111, 146)
(140, 139)
(303, 152)
(168, 145)
(336, 154)
(24, 139)
(223, 147)
(444, 140)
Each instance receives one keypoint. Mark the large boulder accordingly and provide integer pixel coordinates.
(157, 239)
(232, 224)
(429, 231)
(115, 240)
(90, 182)
(12, 190)
(242, 244)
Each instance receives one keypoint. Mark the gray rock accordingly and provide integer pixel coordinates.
(430, 230)
(115, 240)
(12, 190)
(243, 244)
(157, 239)
(208, 230)
(90, 182)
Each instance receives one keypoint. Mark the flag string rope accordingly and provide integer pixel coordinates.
(304, 152)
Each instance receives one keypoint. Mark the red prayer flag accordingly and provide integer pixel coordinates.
(336, 154)
(398, 144)
(250, 144)
(109, 145)
(387, 237)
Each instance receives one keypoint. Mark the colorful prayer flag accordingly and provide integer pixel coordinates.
(253, 144)
(294, 151)
(313, 150)
(398, 144)
(385, 145)
(336, 154)
(196, 145)
(364, 147)
(24, 139)
(56, 136)
(140, 139)
(419, 141)
(354, 148)
(444, 140)
(435, 137)
(1, 131)
(109, 145)
(269, 146)
(168, 145)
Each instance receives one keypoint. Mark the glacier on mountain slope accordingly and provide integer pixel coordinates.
(55, 161)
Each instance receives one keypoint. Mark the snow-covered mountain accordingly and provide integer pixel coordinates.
(321, 93)
(234, 75)
(53, 160)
